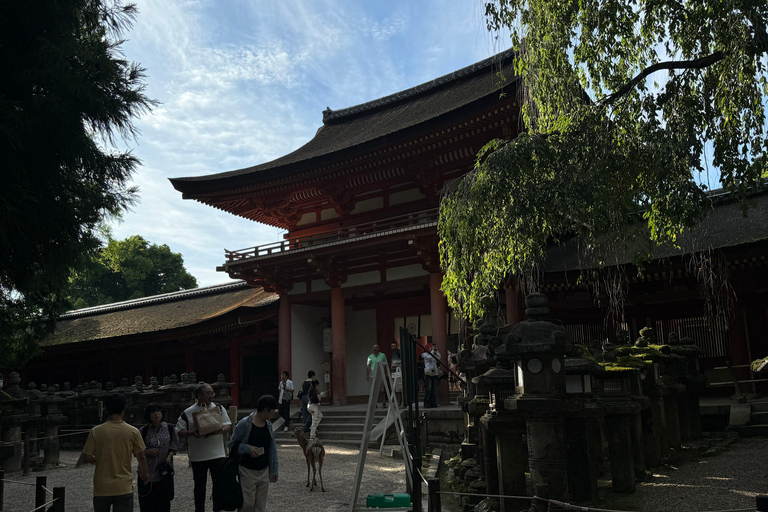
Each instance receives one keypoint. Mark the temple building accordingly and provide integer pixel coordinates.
(209, 330)
(359, 204)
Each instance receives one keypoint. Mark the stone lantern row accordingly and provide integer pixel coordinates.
(37, 413)
(537, 403)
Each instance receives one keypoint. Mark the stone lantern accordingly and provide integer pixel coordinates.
(538, 348)
(503, 432)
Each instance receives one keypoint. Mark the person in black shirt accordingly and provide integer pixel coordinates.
(306, 417)
(254, 440)
(313, 407)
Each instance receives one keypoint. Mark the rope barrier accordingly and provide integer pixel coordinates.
(61, 435)
(44, 505)
(14, 443)
(20, 483)
(47, 490)
(566, 506)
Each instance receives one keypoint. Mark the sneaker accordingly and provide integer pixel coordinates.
(285, 429)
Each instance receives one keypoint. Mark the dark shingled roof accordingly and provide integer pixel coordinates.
(353, 127)
(160, 313)
(724, 227)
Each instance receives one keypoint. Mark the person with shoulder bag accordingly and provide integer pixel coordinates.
(203, 425)
(254, 442)
(162, 443)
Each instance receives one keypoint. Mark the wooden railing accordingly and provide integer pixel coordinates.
(410, 221)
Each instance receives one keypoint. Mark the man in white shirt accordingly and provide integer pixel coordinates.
(206, 452)
(284, 399)
(431, 359)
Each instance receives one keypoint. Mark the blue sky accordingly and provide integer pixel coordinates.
(244, 82)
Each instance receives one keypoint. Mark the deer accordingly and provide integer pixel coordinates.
(314, 452)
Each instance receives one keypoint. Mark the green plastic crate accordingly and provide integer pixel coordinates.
(399, 499)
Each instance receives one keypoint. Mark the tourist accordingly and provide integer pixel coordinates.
(306, 417)
(162, 443)
(314, 407)
(396, 370)
(431, 376)
(375, 357)
(452, 380)
(109, 446)
(206, 452)
(254, 441)
(284, 399)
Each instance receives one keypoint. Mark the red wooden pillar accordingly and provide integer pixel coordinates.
(439, 308)
(189, 359)
(514, 305)
(234, 371)
(339, 361)
(284, 336)
(148, 370)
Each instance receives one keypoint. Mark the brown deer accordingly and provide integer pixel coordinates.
(314, 452)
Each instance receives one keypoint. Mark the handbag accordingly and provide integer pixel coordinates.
(207, 420)
(227, 492)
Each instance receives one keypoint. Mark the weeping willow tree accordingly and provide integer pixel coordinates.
(628, 107)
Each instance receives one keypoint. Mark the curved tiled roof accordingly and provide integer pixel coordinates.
(157, 314)
(352, 128)
(725, 226)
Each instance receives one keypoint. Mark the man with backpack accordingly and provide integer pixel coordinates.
(206, 452)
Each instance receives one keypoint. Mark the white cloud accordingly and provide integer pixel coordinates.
(243, 83)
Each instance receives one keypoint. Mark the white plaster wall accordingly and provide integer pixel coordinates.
(405, 196)
(328, 213)
(307, 218)
(367, 205)
(361, 335)
(362, 279)
(307, 324)
(405, 272)
(298, 288)
(319, 285)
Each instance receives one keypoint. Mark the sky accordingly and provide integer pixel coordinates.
(244, 82)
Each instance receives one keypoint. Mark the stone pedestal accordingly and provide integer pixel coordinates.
(547, 454)
(509, 457)
(11, 433)
(582, 463)
(672, 416)
(618, 426)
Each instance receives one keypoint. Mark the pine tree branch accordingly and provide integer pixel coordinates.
(703, 62)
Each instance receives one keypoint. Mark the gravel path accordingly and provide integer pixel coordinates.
(727, 481)
(381, 475)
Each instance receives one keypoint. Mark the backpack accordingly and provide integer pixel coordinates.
(227, 492)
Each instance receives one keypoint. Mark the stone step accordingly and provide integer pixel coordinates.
(759, 406)
(759, 418)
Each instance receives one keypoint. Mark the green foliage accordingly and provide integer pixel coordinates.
(128, 269)
(617, 172)
(67, 93)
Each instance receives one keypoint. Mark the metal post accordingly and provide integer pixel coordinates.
(40, 483)
(25, 457)
(540, 491)
(434, 494)
(761, 503)
(416, 496)
(2, 487)
(58, 496)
